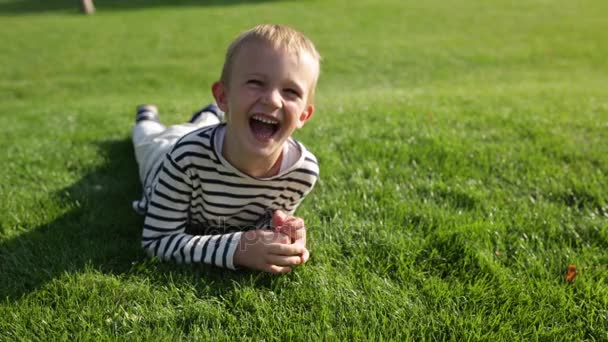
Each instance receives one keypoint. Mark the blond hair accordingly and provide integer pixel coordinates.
(278, 37)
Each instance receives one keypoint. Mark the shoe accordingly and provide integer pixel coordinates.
(211, 108)
(146, 112)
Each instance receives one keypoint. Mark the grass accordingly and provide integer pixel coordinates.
(463, 157)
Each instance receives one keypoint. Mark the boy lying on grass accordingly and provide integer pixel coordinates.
(225, 193)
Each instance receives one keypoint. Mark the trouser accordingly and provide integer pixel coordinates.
(152, 140)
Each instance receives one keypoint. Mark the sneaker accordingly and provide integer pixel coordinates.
(146, 112)
(211, 108)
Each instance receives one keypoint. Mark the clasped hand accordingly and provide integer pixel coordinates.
(277, 250)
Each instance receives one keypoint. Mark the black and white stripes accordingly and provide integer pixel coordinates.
(196, 186)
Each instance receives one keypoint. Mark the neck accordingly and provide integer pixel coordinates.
(252, 165)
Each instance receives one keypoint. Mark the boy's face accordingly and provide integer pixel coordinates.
(266, 98)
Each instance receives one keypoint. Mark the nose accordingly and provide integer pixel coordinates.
(272, 97)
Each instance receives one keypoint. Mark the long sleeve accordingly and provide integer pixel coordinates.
(167, 218)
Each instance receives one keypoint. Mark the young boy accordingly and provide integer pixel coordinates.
(224, 193)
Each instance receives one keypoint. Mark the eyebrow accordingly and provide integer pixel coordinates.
(290, 83)
(255, 74)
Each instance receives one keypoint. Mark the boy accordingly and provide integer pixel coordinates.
(224, 193)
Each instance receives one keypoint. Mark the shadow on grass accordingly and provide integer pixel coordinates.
(40, 6)
(101, 231)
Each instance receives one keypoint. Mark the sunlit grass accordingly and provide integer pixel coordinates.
(463, 168)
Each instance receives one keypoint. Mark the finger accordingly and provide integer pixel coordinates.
(281, 260)
(301, 241)
(295, 232)
(294, 222)
(278, 269)
(305, 256)
(278, 218)
(305, 253)
(300, 235)
(286, 249)
(281, 238)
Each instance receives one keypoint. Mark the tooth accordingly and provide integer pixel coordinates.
(264, 120)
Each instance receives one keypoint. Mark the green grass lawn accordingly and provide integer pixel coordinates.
(464, 165)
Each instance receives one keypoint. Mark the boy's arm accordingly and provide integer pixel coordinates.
(164, 232)
(166, 220)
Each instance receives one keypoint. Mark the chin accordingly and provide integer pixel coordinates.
(263, 152)
(264, 149)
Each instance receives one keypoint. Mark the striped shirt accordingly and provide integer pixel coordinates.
(199, 204)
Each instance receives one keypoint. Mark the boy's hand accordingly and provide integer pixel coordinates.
(293, 227)
(268, 251)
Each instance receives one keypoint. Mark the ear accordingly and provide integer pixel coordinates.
(305, 115)
(221, 97)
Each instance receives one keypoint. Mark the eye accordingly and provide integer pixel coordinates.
(292, 92)
(255, 82)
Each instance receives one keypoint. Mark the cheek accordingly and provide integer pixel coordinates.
(295, 106)
(251, 92)
(293, 113)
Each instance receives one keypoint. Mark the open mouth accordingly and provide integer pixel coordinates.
(263, 127)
